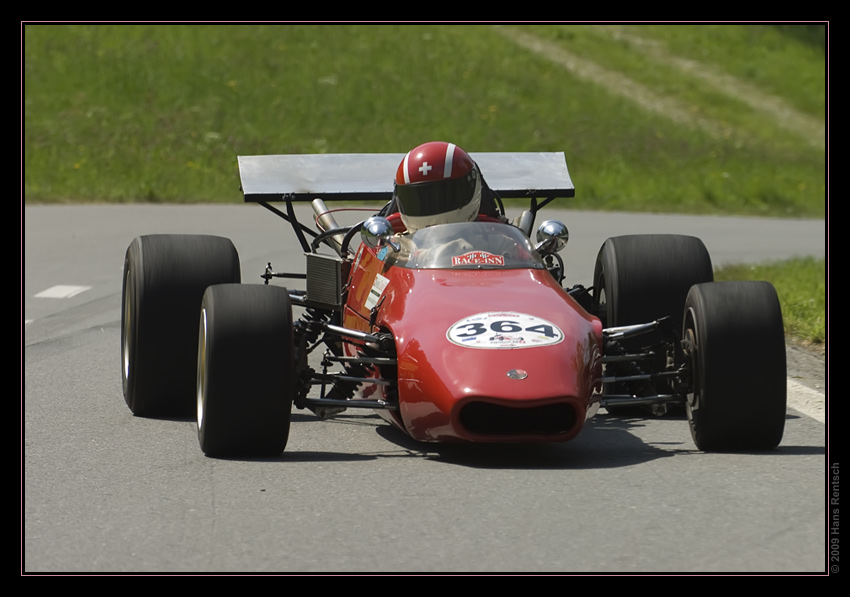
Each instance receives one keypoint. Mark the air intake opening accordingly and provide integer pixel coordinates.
(493, 419)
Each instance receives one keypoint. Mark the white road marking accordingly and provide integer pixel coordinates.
(807, 401)
(62, 291)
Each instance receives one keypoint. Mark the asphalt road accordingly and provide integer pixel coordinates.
(106, 492)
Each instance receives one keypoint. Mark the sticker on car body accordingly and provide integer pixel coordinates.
(375, 292)
(504, 330)
(477, 258)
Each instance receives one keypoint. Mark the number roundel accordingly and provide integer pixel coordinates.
(504, 330)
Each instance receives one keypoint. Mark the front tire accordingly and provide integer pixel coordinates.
(246, 364)
(733, 335)
(165, 277)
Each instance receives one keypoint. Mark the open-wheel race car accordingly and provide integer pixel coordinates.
(452, 329)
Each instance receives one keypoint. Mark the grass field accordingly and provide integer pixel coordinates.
(706, 119)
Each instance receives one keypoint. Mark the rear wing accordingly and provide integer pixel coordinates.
(356, 177)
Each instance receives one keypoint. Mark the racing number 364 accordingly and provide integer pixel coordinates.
(505, 327)
(504, 330)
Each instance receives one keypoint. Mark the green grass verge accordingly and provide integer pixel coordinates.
(158, 113)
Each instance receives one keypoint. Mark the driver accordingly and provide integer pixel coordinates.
(439, 183)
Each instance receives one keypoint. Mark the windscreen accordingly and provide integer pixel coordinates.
(469, 245)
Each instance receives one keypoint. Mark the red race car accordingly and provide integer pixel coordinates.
(452, 330)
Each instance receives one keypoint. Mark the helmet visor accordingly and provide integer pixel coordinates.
(438, 197)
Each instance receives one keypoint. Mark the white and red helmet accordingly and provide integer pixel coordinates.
(437, 183)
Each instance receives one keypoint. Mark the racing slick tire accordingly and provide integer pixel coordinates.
(733, 335)
(165, 276)
(639, 279)
(246, 365)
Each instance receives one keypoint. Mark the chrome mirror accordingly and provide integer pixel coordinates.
(378, 232)
(552, 237)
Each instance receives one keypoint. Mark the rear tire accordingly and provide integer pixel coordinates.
(639, 279)
(246, 365)
(734, 337)
(165, 277)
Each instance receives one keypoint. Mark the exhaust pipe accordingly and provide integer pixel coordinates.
(326, 222)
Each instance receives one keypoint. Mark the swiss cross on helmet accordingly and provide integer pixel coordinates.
(437, 183)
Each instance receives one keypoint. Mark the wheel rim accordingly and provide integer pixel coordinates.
(691, 349)
(602, 301)
(126, 329)
(202, 367)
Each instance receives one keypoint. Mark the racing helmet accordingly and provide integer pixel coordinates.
(437, 183)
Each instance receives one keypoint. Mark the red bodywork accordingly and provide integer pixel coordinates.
(450, 392)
